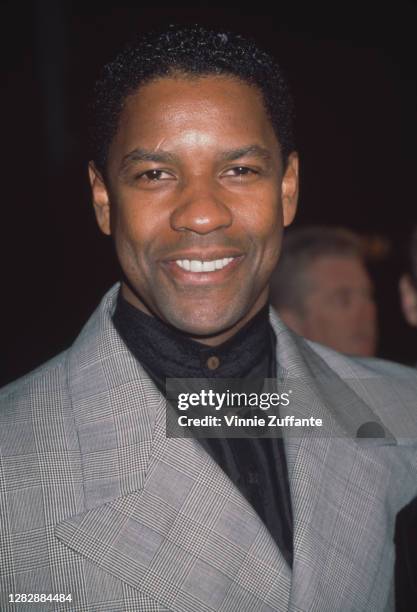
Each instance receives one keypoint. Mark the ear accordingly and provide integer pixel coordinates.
(289, 189)
(408, 295)
(101, 200)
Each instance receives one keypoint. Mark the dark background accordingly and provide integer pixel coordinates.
(352, 69)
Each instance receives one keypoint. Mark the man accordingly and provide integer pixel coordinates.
(322, 290)
(194, 174)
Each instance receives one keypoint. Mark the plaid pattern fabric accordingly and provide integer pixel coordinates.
(96, 501)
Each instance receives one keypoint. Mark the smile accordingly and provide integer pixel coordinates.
(195, 265)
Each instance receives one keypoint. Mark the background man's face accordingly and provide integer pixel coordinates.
(340, 311)
(195, 175)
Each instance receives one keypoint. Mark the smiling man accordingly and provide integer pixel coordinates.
(194, 174)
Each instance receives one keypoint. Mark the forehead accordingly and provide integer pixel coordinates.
(221, 107)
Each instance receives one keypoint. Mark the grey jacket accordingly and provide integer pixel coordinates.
(96, 501)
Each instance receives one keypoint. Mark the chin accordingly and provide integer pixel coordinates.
(202, 324)
(201, 328)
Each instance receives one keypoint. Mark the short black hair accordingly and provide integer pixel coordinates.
(300, 248)
(191, 50)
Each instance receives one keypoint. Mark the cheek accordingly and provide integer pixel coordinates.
(271, 234)
(322, 316)
(128, 237)
(264, 221)
(268, 241)
(272, 217)
(134, 227)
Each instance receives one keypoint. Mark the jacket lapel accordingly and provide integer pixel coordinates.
(159, 513)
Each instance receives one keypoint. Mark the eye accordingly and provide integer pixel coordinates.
(155, 175)
(240, 171)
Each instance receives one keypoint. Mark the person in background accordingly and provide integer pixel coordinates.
(408, 284)
(322, 290)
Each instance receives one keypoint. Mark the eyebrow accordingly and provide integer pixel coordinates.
(250, 150)
(139, 154)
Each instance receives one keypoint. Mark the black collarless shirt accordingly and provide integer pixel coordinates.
(257, 466)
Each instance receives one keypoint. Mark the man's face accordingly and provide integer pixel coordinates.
(339, 308)
(196, 198)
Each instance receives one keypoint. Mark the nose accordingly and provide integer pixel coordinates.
(200, 209)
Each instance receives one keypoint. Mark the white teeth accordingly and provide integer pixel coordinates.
(195, 265)
(209, 266)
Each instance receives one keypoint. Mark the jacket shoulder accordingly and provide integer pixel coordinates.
(388, 388)
(46, 382)
(36, 423)
(362, 366)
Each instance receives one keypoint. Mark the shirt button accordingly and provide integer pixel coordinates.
(213, 362)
